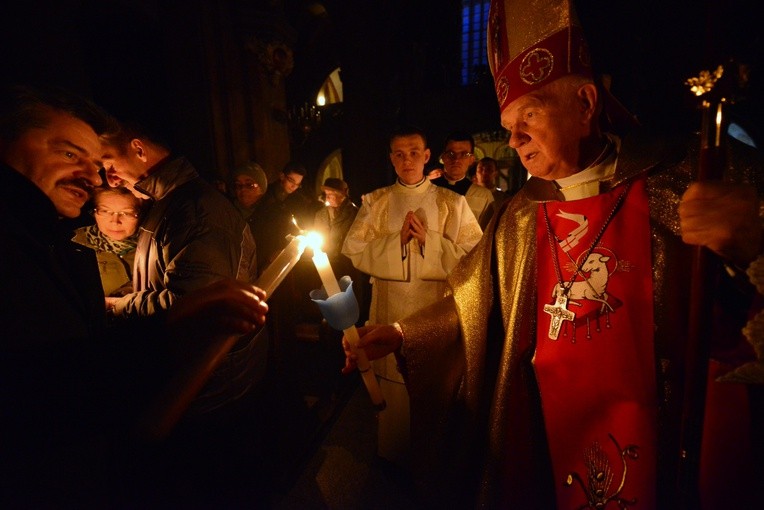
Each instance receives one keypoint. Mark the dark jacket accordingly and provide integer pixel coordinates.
(192, 236)
(335, 229)
(67, 385)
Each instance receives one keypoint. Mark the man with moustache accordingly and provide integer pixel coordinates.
(69, 390)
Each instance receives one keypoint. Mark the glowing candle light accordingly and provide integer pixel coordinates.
(321, 261)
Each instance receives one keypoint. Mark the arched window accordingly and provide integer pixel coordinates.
(474, 52)
(331, 166)
(331, 90)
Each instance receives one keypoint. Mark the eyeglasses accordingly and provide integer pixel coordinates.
(122, 215)
(246, 186)
(453, 156)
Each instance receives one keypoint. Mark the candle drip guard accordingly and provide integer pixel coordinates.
(340, 310)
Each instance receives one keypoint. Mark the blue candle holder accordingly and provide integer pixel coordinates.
(340, 310)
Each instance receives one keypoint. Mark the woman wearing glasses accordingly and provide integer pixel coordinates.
(113, 237)
(249, 186)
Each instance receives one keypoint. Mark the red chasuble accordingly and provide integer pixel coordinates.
(597, 377)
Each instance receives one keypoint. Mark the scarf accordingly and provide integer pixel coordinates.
(102, 242)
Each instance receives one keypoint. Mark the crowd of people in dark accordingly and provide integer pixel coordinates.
(530, 346)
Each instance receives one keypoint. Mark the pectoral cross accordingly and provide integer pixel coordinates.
(559, 312)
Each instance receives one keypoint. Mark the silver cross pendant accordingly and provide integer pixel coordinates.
(559, 312)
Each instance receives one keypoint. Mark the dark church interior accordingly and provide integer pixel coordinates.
(323, 82)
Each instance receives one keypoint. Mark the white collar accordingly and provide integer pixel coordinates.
(586, 183)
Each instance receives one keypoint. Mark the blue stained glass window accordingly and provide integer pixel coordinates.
(473, 37)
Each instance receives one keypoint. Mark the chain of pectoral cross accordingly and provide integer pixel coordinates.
(559, 310)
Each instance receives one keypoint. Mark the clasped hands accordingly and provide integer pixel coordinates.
(413, 228)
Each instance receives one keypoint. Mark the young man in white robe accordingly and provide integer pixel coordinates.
(408, 237)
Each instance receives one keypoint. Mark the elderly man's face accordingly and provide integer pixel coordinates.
(546, 127)
(334, 198)
(409, 155)
(62, 159)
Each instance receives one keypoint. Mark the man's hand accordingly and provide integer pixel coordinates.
(417, 228)
(413, 228)
(723, 217)
(226, 307)
(406, 234)
(378, 341)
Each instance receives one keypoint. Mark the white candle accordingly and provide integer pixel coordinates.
(332, 287)
(321, 260)
(275, 273)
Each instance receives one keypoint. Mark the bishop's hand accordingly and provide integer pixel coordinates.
(723, 217)
(377, 340)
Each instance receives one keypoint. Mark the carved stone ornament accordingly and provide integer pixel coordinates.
(276, 58)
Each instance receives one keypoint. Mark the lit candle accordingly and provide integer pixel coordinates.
(175, 399)
(321, 260)
(331, 286)
(275, 273)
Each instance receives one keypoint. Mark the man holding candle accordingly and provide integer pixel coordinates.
(408, 237)
(333, 222)
(192, 236)
(275, 213)
(564, 388)
(70, 390)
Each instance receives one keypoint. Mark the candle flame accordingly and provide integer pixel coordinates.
(718, 133)
(314, 240)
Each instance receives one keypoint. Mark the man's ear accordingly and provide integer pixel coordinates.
(139, 149)
(588, 95)
(427, 154)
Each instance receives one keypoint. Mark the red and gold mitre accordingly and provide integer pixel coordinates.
(532, 43)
